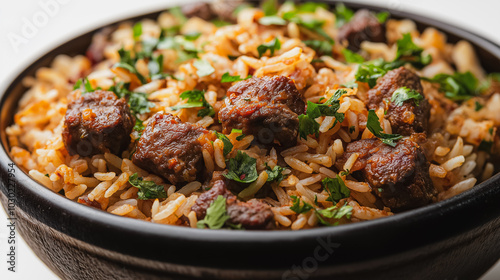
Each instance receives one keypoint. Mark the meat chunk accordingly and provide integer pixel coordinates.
(398, 175)
(407, 118)
(207, 11)
(253, 214)
(266, 107)
(364, 26)
(96, 123)
(172, 149)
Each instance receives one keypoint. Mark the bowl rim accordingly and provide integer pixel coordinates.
(413, 218)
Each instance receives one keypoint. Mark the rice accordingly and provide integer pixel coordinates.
(457, 137)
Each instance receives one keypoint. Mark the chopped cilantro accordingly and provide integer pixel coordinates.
(478, 106)
(370, 71)
(343, 14)
(335, 188)
(272, 46)
(216, 215)
(138, 101)
(373, 125)
(228, 146)
(270, 7)
(403, 94)
(334, 212)
(352, 57)
(204, 68)
(299, 207)
(196, 98)
(127, 63)
(177, 13)
(137, 31)
(275, 174)
(147, 189)
(191, 36)
(351, 84)
(219, 22)
(155, 67)
(227, 78)
(457, 87)
(408, 52)
(307, 122)
(87, 86)
(382, 16)
(321, 47)
(242, 168)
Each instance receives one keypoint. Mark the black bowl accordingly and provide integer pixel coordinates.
(452, 239)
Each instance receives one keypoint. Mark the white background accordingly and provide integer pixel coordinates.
(68, 18)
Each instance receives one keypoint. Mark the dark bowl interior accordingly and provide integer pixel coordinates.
(423, 233)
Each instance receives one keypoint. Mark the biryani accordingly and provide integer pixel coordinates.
(294, 116)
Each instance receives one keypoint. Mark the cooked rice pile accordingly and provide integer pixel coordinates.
(457, 164)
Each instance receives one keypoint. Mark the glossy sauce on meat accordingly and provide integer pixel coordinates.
(266, 107)
(253, 214)
(172, 149)
(398, 175)
(364, 26)
(96, 123)
(407, 118)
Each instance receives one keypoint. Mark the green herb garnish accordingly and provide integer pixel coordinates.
(336, 189)
(242, 168)
(299, 207)
(272, 46)
(373, 125)
(196, 98)
(216, 215)
(147, 189)
(403, 94)
(227, 78)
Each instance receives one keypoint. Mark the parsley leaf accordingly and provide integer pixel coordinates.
(457, 87)
(204, 68)
(307, 122)
(275, 174)
(382, 16)
(408, 52)
(335, 188)
(373, 125)
(196, 98)
(137, 31)
(321, 47)
(227, 78)
(178, 14)
(478, 106)
(298, 208)
(272, 20)
(228, 146)
(138, 101)
(147, 189)
(127, 63)
(191, 36)
(370, 71)
(270, 7)
(216, 215)
(272, 46)
(242, 168)
(352, 57)
(343, 14)
(87, 86)
(403, 94)
(155, 67)
(334, 212)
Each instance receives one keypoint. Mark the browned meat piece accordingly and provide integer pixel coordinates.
(408, 118)
(398, 175)
(200, 9)
(206, 198)
(364, 26)
(253, 214)
(266, 107)
(97, 122)
(85, 200)
(207, 11)
(173, 149)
